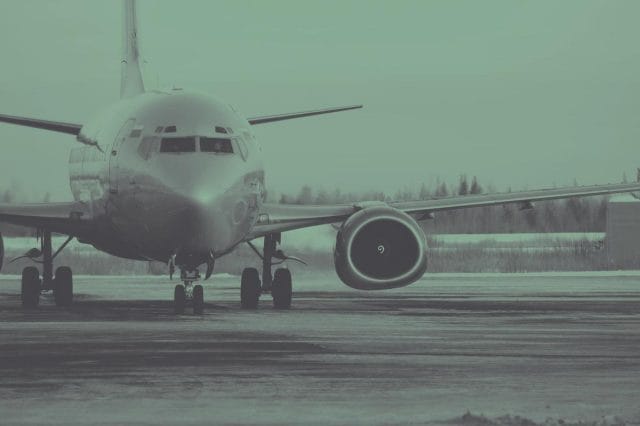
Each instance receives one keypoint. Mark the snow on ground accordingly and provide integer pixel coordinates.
(322, 238)
(528, 239)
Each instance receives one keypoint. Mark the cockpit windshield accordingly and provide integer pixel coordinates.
(216, 145)
(178, 144)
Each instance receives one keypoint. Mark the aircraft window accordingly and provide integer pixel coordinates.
(159, 129)
(220, 129)
(135, 133)
(217, 145)
(147, 146)
(177, 145)
(170, 129)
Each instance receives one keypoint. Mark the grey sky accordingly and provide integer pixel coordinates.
(520, 93)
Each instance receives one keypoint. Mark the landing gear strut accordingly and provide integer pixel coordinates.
(32, 284)
(279, 284)
(187, 291)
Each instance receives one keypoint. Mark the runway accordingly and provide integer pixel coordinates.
(564, 347)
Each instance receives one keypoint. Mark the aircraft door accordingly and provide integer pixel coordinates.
(114, 170)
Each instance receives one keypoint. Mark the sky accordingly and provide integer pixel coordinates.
(522, 94)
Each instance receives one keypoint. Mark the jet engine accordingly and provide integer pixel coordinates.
(1, 252)
(378, 248)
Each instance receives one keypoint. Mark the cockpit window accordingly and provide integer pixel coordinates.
(170, 129)
(176, 145)
(147, 146)
(217, 145)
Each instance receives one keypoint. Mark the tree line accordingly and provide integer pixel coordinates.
(569, 215)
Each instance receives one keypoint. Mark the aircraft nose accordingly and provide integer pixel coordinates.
(201, 182)
(203, 192)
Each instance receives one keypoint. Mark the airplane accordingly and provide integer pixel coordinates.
(177, 176)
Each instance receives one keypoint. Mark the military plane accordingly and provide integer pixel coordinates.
(177, 176)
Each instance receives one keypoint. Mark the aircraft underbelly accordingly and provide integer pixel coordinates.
(157, 225)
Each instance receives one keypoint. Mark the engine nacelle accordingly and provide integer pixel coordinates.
(1, 252)
(379, 248)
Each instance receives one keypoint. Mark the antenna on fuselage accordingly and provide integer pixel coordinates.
(131, 83)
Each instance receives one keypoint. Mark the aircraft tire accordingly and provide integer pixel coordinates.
(282, 289)
(30, 289)
(198, 299)
(63, 286)
(179, 297)
(250, 288)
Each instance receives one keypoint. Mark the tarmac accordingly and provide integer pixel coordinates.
(451, 349)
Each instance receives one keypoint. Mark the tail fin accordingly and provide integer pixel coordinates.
(131, 83)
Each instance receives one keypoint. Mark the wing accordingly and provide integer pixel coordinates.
(289, 116)
(521, 197)
(280, 217)
(275, 218)
(70, 218)
(54, 126)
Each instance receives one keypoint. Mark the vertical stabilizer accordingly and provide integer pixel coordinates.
(131, 78)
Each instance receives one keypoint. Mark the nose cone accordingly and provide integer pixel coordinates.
(201, 180)
(203, 191)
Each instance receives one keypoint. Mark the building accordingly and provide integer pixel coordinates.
(623, 231)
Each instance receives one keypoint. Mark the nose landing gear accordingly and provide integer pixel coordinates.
(188, 292)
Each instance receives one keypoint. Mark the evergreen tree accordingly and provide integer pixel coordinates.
(463, 186)
(425, 194)
(322, 197)
(475, 187)
(305, 196)
(442, 190)
(7, 197)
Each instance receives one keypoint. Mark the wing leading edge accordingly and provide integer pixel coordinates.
(65, 218)
(281, 217)
(302, 114)
(54, 126)
(468, 201)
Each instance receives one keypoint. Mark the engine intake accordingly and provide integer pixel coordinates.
(380, 248)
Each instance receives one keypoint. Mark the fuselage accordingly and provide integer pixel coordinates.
(167, 174)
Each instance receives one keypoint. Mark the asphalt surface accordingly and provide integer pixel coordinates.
(555, 348)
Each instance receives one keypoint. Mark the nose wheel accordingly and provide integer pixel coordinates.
(179, 299)
(188, 293)
(198, 299)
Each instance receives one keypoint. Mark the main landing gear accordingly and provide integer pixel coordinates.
(188, 292)
(278, 284)
(33, 285)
